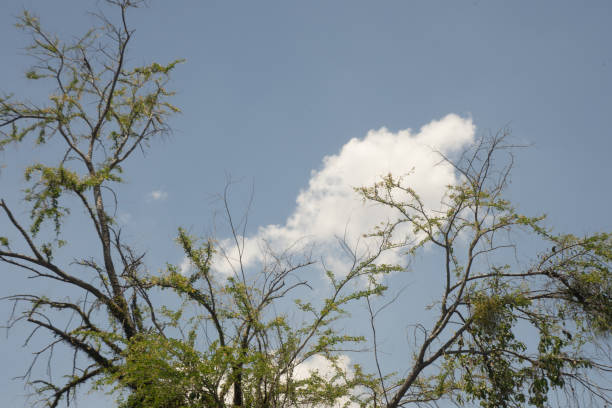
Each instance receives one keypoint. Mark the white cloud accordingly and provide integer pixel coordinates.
(320, 365)
(185, 266)
(323, 367)
(158, 195)
(315, 364)
(329, 208)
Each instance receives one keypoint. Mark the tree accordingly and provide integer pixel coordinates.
(236, 348)
(99, 114)
(489, 311)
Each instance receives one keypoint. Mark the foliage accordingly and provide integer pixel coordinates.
(563, 299)
(226, 343)
(100, 113)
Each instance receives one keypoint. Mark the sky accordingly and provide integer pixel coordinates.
(299, 102)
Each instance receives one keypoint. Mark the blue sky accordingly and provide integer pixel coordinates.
(270, 88)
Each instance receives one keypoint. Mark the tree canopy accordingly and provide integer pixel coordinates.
(503, 335)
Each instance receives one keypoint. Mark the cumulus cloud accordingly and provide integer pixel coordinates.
(315, 364)
(158, 195)
(185, 266)
(323, 367)
(329, 208)
(320, 365)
